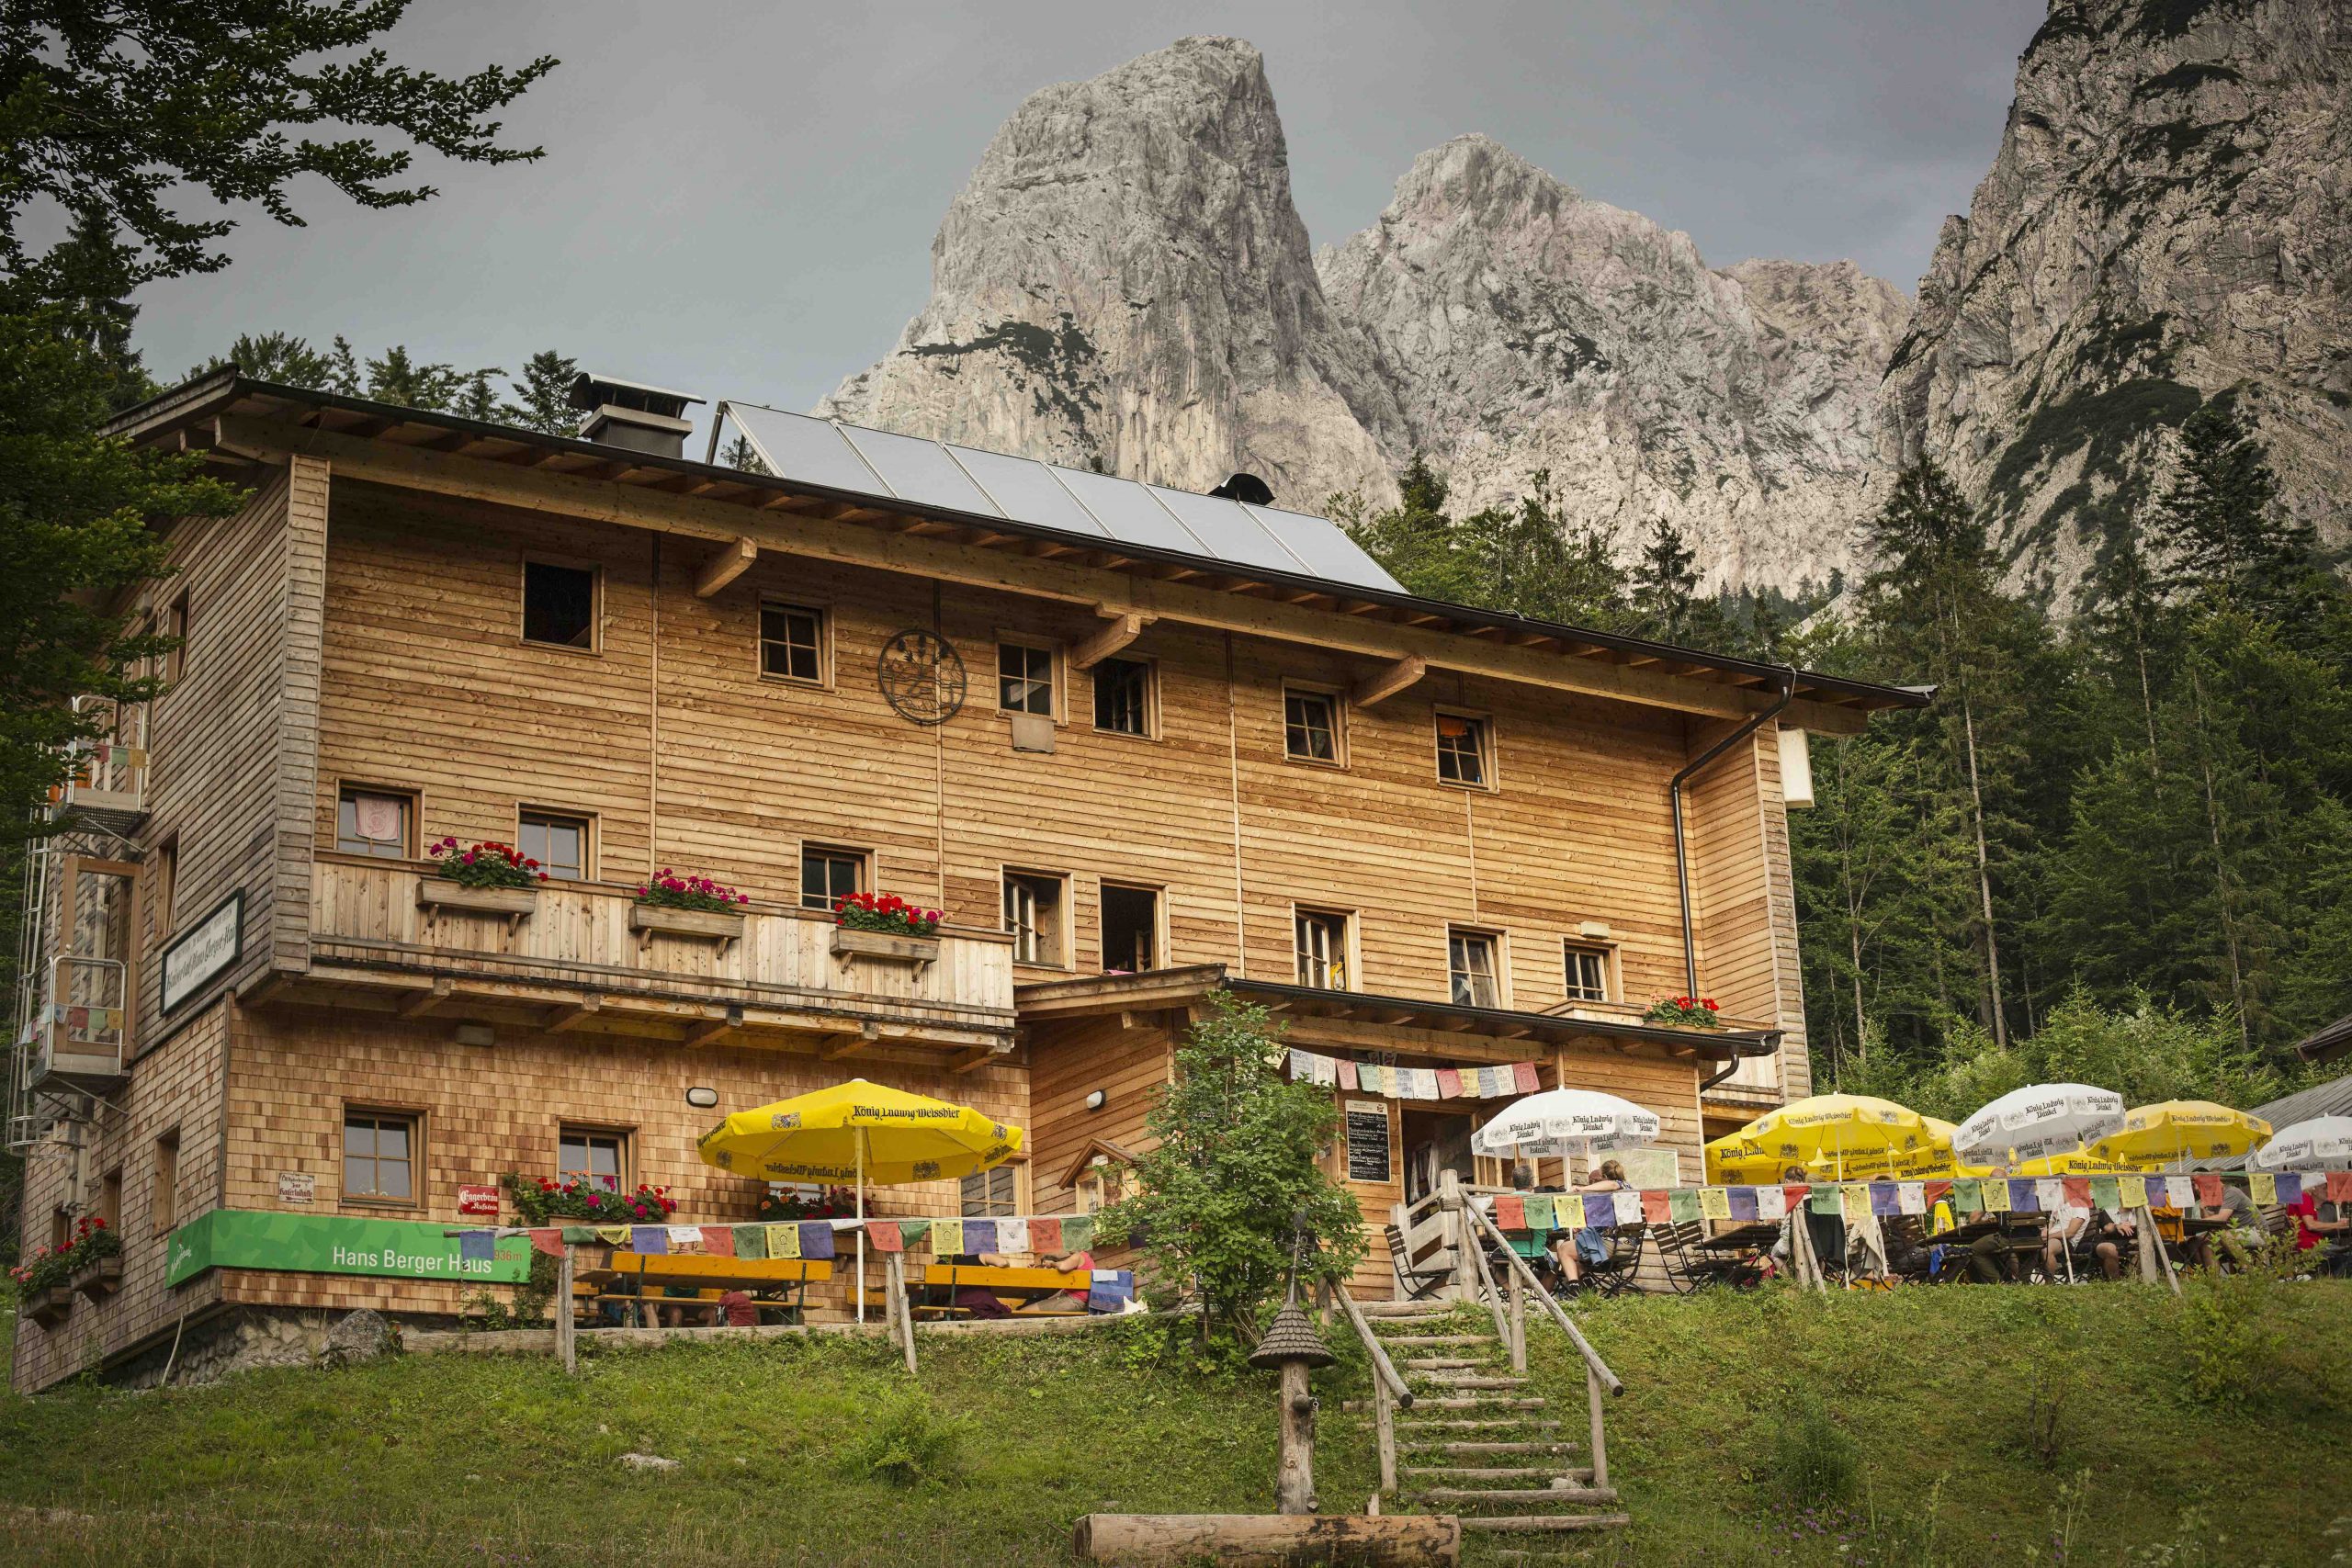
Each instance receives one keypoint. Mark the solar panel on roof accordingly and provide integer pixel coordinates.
(795, 447)
(1043, 495)
(1027, 491)
(1128, 511)
(1326, 548)
(1229, 532)
(920, 470)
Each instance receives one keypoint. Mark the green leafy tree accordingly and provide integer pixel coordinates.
(281, 357)
(542, 400)
(1523, 559)
(1235, 1170)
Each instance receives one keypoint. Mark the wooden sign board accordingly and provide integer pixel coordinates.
(297, 1187)
(207, 948)
(1368, 1141)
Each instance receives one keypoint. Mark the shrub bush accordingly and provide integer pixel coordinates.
(908, 1442)
(1815, 1462)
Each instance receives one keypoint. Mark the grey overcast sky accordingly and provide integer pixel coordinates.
(738, 199)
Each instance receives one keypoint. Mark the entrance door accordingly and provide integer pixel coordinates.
(1435, 1141)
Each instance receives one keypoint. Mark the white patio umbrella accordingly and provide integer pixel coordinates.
(1564, 1122)
(2304, 1145)
(2039, 1121)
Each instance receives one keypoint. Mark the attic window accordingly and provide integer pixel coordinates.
(559, 604)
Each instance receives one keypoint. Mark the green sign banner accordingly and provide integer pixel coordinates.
(337, 1244)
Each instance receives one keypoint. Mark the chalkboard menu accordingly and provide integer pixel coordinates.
(1368, 1141)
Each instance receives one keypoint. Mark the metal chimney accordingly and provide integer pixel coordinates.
(631, 414)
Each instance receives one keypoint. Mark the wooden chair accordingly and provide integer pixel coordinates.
(1419, 1282)
(1613, 1276)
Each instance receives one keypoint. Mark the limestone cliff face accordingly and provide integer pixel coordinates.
(1124, 281)
(2169, 217)
(1525, 327)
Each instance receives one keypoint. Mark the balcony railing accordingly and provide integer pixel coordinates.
(390, 923)
(80, 1027)
(108, 784)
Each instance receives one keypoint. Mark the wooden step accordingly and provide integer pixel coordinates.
(1508, 1473)
(1465, 1450)
(1545, 1521)
(1442, 1364)
(1519, 1494)
(1425, 1340)
(1392, 1310)
(1477, 1402)
(1463, 1424)
(1459, 1380)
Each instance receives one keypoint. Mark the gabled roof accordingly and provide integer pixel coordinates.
(2326, 1043)
(237, 416)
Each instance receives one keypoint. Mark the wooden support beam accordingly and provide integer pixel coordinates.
(978, 1057)
(715, 1030)
(725, 566)
(837, 1046)
(424, 1001)
(1122, 628)
(569, 1018)
(1378, 688)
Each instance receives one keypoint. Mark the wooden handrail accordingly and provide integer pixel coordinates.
(1484, 1277)
(1381, 1366)
(1598, 1368)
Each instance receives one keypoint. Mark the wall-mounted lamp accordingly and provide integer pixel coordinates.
(1096, 1100)
(702, 1097)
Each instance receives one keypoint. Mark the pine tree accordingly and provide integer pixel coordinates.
(1664, 584)
(343, 369)
(740, 454)
(542, 400)
(2220, 521)
(93, 274)
(281, 357)
(475, 400)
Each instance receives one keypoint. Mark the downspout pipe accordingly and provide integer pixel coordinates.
(1681, 850)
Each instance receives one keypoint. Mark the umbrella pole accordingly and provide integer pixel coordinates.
(861, 1225)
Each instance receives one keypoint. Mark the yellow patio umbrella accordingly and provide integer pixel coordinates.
(1834, 1135)
(859, 1132)
(2177, 1132)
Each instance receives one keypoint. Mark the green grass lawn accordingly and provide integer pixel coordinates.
(1978, 1426)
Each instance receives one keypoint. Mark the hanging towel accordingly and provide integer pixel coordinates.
(1682, 1205)
(1715, 1204)
(1528, 1081)
(751, 1241)
(2051, 1192)
(1657, 1208)
(1910, 1198)
(2263, 1187)
(1110, 1290)
(816, 1238)
(1771, 1202)
(548, 1241)
(719, 1240)
(477, 1246)
(648, 1238)
(1538, 1208)
(2291, 1187)
(2076, 1190)
(1449, 1083)
(1045, 1237)
(1077, 1235)
(1510, 1213)
(947, 1238)
(1967, 1196)
(1743, 1205)
(883, 1235)
(979, 1235)
(1998, 1194)
(1854, 1199)
(2025, 1195)
(1301, 1070)
(784, 1241)
(2209, 1190)
(1347, 1075)
(685, 1238)
(1884, 1199)
(1326, 1071)
(2106, 1194)
(1013, 1236)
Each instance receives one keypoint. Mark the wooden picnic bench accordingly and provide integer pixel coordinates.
(1028, 1287)
(647, 1274)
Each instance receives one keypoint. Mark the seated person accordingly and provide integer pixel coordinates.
(736, 1309)
(1590, 1244)
(1826, 1232)
(2091, 1235)
(976, 1300)
(1080, 1267)
(1991, 1259)
(2323, 1228)
(2243, 1237)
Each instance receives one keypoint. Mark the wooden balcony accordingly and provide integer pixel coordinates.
(580, 956)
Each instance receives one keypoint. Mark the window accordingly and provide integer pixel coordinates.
(176, 627)
(162, 878)
(111, 1199)
(1311, 726)
(1123, 696)
(559, 604)
(374, 822)
(1104, 1183)
(1033, 913)
(991, 1192)
(1024, 679)
(1462, 750)
(1470, 955)
(829, 876)
(1130, 928)
(379, 1157)
(166, 1200)
(792, 642)
(558, 844)
(1323, 950)
(1587, 973)
(597, 1157)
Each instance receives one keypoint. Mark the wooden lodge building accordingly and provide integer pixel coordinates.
(1136, 745)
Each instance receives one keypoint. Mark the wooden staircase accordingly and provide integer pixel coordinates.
(1477, 1441)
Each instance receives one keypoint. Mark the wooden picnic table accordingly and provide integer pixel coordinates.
(1027, 1286)
(1756, 1233)
(651, 1271)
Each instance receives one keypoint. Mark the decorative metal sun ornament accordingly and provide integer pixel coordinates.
(922, 676)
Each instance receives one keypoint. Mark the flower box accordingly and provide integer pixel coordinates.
(99, 1278)
(514, 905)
(49, 1306)
(697, 925)
(888, 946)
